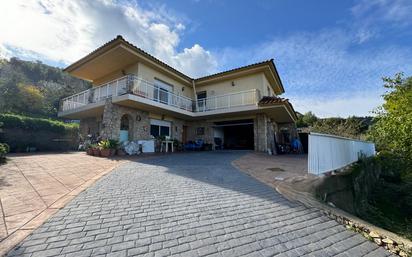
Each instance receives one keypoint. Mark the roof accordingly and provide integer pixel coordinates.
(270, 63)
(119, 39)
(116, 41)
(274, 100)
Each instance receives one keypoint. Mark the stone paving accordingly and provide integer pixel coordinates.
(193, 204)
(34, 186)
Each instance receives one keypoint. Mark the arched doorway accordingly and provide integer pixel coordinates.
(125, 128)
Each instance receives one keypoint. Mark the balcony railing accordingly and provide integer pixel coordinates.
(148, 90)
(127, 84)
(226, 101)
(131, 84)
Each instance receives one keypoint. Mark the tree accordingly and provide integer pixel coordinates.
(29, 99)
(393, 128)
(306, 120)
(47, 83)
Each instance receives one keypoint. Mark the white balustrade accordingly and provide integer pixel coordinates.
(146, 89)
(226, 101)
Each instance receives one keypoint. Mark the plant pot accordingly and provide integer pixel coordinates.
(89, 151)
(96, 152)
(105, 152)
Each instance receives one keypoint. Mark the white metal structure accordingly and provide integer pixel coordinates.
(160, 94)
(329, 152)
(242, 98)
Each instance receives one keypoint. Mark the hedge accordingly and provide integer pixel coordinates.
(27, 123)
(21, 132)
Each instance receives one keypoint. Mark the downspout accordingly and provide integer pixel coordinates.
(194, 90)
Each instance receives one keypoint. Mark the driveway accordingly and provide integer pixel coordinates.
(193, 204)
(34, 186)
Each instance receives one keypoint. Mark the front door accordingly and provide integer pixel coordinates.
(184, 134)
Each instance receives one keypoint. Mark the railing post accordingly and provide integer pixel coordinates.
(128, 85)
(91, 95)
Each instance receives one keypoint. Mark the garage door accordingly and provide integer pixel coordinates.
(235, 135)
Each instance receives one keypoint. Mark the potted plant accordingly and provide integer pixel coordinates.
(89, 150)
(104, 146)
(113, 146)
(95, 149)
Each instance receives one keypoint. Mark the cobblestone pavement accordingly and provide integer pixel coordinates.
(32, 184)
(193, 204)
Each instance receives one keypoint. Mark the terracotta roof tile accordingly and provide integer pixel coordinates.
(272, 100)
(235, 69)
(119, 38)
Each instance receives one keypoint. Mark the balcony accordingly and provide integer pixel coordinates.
(143, 90)
(227, 101)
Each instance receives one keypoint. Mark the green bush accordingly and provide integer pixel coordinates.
(21, 132)
(104, 144)
(4, 149)
(12, 121)
(109, 144)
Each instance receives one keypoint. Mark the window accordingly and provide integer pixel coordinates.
(159, 128)
(161, 91)
(200, 131)
(201, 95)
(201, 102)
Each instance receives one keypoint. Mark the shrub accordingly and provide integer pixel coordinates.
(4, 149)
(104, 144)
(21, 132)
(109, 144)
(113, 144)
(12, 121)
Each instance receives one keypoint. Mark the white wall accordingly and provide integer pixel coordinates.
(328, 152)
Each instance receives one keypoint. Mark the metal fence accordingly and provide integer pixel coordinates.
(329, 152)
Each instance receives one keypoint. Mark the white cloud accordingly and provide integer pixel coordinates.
(372, 18)
(64, 31)
(323, 72)
(394, 11)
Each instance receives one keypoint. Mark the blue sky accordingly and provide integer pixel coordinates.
(331, 55)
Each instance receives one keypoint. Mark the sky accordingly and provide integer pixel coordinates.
(331, 55)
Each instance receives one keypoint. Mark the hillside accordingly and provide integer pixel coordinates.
(34, 88)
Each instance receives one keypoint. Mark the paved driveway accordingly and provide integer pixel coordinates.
(192, 204)
(33, 186)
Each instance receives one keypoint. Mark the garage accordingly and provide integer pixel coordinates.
(234, 135)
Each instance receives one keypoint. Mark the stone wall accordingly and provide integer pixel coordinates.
(139, 122)
(89, 126)
(192, 134)
(271, 136)
(177, 129)
(260, 132)
(264, 129)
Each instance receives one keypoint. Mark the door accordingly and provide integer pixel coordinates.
(184, 134)
(201, 101)
(161, 91)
